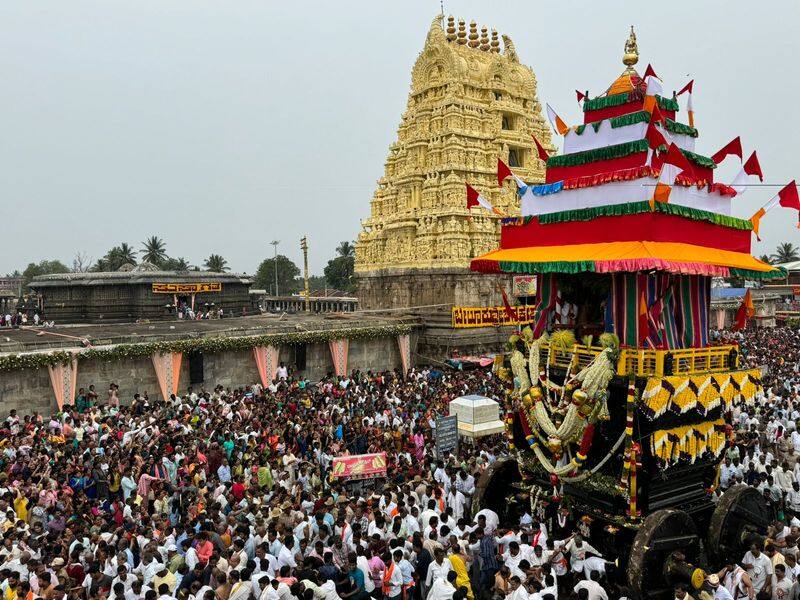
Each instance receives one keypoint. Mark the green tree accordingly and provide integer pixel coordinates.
(765, 258)
(115, 258)
(216, 263)
(339, 270)
(45, 267)
(288, 272)
(175, 264)
(155, 250)
(785, 252)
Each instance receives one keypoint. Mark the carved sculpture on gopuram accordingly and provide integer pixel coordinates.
(470, 103)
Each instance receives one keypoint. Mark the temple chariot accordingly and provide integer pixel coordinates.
(619, 400)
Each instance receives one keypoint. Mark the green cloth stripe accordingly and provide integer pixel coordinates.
(641, 116)
(530, 268)
(633, 208)
(778, 273)
(618, 151)
(699, 159)
(620, 99)
(606, 153)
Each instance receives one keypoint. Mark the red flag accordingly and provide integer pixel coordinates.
(657, 116)
(732, 147)
(654, 137)
(472, 197)
(503, 172)
(788, 196)
(510, 312)
(542, 152)
(648, 72)
(687, 88)
(677, 158)
(744, 312)
(580, 96)
(752, 167)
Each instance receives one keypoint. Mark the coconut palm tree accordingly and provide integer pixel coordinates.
(155, 250)
(125, 253)
(346, 249)
(216, 263)
(785, 252)
(765, 258)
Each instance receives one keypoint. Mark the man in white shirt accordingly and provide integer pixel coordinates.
(759, 568)
(439, 568)
(443, 589)
(596, 591)
(393, 578)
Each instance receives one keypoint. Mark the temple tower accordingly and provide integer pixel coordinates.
(470, 103)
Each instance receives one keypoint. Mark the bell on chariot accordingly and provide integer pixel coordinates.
(618, 402)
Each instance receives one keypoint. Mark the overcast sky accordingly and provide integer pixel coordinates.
(221, 126)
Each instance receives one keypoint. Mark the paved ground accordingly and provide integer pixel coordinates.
(17, 340)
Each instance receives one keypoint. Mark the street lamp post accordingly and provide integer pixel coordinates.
(275, 246)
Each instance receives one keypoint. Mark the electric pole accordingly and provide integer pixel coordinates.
(275, 245)
(304, 247)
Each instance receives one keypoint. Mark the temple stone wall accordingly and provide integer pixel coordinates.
(401, 288)
(29, 390)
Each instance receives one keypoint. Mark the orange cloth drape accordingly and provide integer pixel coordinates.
(339, 350)
(167, 366)
(63, 379)
(266, 362)
(404, 344)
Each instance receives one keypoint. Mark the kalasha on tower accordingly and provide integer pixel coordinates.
(617, 400)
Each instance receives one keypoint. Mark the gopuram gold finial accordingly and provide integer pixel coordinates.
(631, 56)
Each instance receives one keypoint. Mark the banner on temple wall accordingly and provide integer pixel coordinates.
(490, 316)
(63, 378)
(524, 285)
(359, 466)
(167, 366)
(266, 363)
(404, 344)
(186, 288)
(339, 349)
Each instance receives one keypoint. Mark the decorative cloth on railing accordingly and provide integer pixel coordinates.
(339, 350)
(266, 358)
(699, 393)
(63, 378)
(167, 366)
(689, 442)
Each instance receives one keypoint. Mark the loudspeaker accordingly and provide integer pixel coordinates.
(195, 367)
(300, 357)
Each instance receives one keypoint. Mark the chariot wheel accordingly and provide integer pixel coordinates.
(651, 570)
(495, 484)
(739, 517)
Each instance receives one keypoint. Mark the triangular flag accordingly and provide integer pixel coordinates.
(580, 95)
(556, 122)
(686, 88)
(750, 168)
(540, 150)
(510, 312)
(674, 164)
(745, 311)
(657, 116)
(475, 199)
(732, 147)
(649, 72)
(787, 197)
(503, 172)
(655, 140)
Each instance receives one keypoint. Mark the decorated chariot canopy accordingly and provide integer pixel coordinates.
(631, 199)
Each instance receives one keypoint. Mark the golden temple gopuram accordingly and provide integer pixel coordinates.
(470, 103)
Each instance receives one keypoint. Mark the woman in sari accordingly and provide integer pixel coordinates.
(460, 561)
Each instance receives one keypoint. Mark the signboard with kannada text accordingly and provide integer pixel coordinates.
(446, 434)
(359, 466)
(186, 288)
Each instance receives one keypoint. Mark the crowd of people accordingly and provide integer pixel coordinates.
(227, 494)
